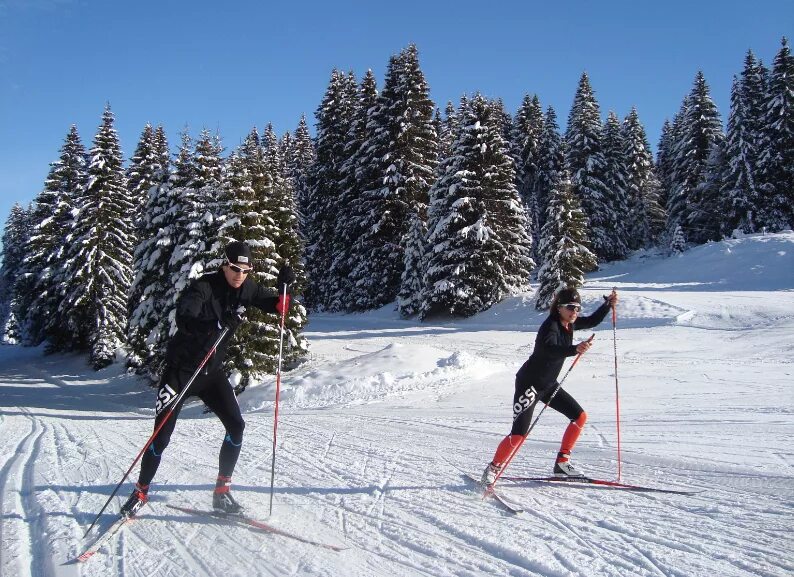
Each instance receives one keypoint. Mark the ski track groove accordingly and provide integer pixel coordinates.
(366, 447)
(728, 528)
(192, 562)
(16, 455)
(394, 546)
(34, 515)
(649, 561)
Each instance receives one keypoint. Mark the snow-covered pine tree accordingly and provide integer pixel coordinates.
(615, 177)
(525, 143)
(564, 245)
(181, 211)
(288, 249)
(777, 162)
(449, 130)
(646, 218)
(321, 204)
(409, 299)
(676, 204)
(12, 280)
(249, 187)
(97, 269)
(51, 219)
(438, 124)
(478, 245)
(143, 173)
(357, 170)
(286, 151)
(261, 213)
(184, 165)
(404, 144)
(586, 165)
(678, 241)
(664, 160)
(507, 124)
(551, 163)
(148, 326)
(299, 163)
(208, 184)
(163, 152)
(207, 160)
(742, 189)
(195, 186)
(705, 128)
(739, 193)
(695, 136)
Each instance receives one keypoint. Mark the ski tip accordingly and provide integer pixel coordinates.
(84, 557)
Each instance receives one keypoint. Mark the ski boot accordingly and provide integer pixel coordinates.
(137, 500)
(222, 500)
(489, 474)
(564, 468)
(225, 504)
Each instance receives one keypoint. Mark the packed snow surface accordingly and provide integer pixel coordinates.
(377, 428)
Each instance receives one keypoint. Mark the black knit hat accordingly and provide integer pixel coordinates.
(239, 253)
(568, 295)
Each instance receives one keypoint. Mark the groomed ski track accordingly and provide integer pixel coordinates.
(376, 427)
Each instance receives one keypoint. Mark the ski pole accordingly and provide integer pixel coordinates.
(535, 422)
(174, 403)
(617, 393)
(278, 391)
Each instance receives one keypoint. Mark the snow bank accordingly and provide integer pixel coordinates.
(370, 377)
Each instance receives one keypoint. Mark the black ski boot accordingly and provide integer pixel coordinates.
(224, 503)
(137, 500)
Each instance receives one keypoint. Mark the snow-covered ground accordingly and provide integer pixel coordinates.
(377, 427)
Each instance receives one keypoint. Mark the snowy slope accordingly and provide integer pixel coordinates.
(377, 427)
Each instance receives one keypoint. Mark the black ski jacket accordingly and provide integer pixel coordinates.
(199, 315)
(552, 345)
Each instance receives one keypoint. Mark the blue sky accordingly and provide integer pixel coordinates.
(232, 65)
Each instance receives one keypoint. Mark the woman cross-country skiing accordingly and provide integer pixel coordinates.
(536, 380)
(210, 304)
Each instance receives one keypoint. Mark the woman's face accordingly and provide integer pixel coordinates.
(569, 312)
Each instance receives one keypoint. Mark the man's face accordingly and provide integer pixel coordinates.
(235, 274)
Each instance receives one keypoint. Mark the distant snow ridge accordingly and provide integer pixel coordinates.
(753, 262)
(395, 369)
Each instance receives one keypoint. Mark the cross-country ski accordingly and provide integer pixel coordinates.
(582, 480)
(105, 537)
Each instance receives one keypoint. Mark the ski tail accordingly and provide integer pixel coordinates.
(242, 519)
(497, 496)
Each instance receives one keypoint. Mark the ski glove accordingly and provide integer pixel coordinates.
(231, 319)
(282, 304)
(285, 278)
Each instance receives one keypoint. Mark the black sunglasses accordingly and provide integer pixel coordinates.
(236, 268)
(572, 307)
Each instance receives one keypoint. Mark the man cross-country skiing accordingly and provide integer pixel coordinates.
(210, 304)
(536, 380)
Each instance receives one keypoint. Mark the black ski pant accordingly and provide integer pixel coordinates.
(526, 397)
(217, 393)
